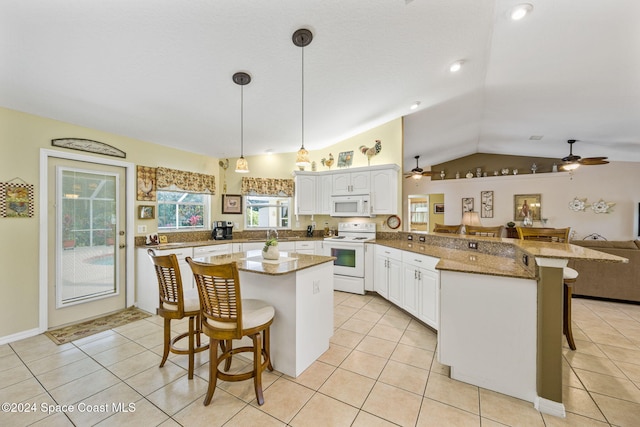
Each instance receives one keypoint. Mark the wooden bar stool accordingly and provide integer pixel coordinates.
(176, 303)
(569, 275)
(227, 317)
(477, 230)
(441, 228)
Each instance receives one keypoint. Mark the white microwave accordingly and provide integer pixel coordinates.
(351, 205)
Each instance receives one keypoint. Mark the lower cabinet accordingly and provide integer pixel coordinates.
(421, 285)
(387, 279)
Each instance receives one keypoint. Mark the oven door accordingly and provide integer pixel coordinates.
(349, 258)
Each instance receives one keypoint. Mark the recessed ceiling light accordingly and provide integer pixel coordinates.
(535, 137)
(455, 67)
(520, 11)
(415, 105)
(269, 151)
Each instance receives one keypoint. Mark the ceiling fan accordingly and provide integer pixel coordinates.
(417, 172)
(572, 161)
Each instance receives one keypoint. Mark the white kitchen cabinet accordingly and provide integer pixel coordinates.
(324, 187)
(421, 283)
(319, 247)
(306, 247)
(237, 247)
(211, 250)
(388, 272)
(286, 246)
(384, 191)
(351, 183)
(147, 282)
(252, 246)
(305, 193)
(369, 263)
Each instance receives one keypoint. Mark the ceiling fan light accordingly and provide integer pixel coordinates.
(242, 166)
(520, 11)
(416, 176)
(570, 166)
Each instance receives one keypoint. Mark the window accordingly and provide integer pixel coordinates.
(266, 212)
(182, 211)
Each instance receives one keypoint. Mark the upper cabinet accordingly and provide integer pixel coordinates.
(352, 183)
(313, 190)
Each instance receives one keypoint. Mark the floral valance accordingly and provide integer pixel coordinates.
(191, 182)
(267, 187)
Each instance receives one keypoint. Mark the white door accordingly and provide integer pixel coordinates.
(86, 255)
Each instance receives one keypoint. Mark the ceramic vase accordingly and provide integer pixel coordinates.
(272, 252)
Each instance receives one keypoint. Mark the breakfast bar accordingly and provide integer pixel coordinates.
(300, 288)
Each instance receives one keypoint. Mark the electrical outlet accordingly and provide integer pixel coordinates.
(473, 245)
(142, 229)
(525, 259)
(422, 239)
(409, 237)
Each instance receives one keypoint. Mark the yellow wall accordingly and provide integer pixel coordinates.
(23, 135)
(21, 138)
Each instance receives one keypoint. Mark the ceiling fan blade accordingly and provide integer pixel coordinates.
(427, 173)
(590, 161)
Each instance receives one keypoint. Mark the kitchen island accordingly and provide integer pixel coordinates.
(500, 306)
(300, 288)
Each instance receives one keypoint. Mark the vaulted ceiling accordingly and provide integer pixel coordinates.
(161, 71)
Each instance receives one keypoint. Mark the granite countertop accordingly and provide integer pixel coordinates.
(196, 243)
(497, 256)
(252, 261)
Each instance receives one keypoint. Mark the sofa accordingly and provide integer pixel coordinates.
(609, 280)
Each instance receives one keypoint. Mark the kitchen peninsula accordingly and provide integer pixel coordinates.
(500, 310)
(300, 288)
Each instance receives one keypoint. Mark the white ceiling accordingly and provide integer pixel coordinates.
(160, 71)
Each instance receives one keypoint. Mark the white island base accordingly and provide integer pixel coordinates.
(303, 323)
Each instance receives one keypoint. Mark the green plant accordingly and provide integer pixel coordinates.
(270, 242)
(511, 224)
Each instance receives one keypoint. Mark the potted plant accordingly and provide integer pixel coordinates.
(270, 250)
(511, 224)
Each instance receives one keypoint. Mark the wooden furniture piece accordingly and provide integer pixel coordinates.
(559, 235)
(441, 228)
(512, 233)
(484, 231)
(227, 317)
(175, 303)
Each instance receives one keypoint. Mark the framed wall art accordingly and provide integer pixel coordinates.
(438, 208)
(486, 199)
(345, 159)
(467, 204)
(146, 212)
(527, 204)
(231, 204)
(16, 199)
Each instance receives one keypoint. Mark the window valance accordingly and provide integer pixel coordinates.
(267, 187)
(191, 182)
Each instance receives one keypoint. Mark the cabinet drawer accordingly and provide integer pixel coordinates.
(305, 245)
(200, 251)
(387, 252)
(418, 260)
(180, 253)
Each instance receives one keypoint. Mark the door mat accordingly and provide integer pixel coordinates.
(90, 327)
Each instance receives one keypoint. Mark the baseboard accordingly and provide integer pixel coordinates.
(19, 336)
(591, 297)
(550, 407)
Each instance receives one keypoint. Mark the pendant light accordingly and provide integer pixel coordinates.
(242, 79)
(302, 38)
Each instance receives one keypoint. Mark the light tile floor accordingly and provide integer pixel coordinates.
(380, 370)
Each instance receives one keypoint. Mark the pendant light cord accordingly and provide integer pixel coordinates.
(302, 109)
(242, 121)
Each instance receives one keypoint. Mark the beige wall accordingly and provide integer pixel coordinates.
(614, 183)
(21, 138)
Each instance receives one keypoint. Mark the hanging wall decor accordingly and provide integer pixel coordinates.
(89, 146)
(146, 178)
(578, 205)
(487, 204)
(601, 206)
(16, 199)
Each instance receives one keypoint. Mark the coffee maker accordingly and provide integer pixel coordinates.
(222, 230)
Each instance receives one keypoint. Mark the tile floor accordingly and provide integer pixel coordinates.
(380, 370)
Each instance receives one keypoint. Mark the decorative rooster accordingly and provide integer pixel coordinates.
(327, 162)
(370, 152)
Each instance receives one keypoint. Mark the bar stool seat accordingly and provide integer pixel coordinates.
(228, 317)
(176, 303)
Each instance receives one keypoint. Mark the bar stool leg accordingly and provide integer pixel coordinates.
(566, 321)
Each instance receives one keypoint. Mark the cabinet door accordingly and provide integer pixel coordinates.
(380, 278)
(340, 183)
(395, 281)
(360, 182)
(305, 196)
(236, 247)
(429, 298)
(411, 287)
(384, 192)
(323, 194)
